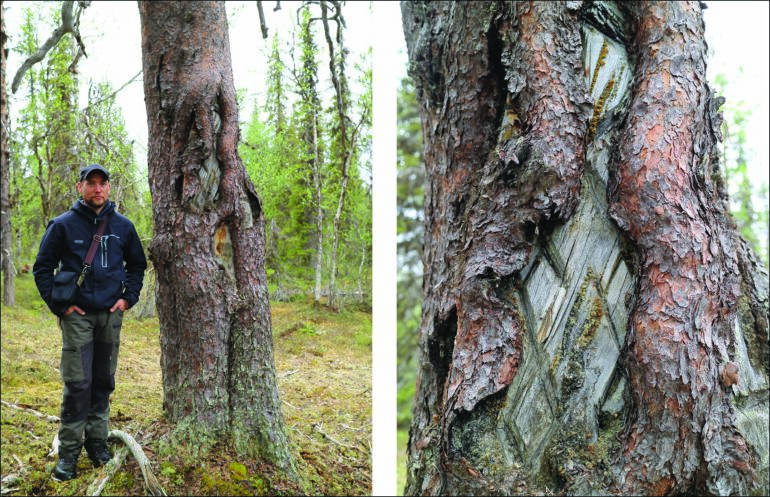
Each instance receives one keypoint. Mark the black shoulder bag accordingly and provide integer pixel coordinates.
(67, 283)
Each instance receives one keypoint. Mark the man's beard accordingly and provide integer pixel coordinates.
(90, 203)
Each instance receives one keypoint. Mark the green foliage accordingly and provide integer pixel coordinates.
(53, 138)
(276, 96)
(238, 471)
(168, 470)
(411, 179)
(748, 199)
(292, 150)
(308, 329)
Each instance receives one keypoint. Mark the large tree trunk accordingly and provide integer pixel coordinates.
(6, 257)
(208, 251)
(574, 194)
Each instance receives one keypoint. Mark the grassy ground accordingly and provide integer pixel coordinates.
(323, 360)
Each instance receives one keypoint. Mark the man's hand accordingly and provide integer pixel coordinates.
(75, 308)
(120, 304)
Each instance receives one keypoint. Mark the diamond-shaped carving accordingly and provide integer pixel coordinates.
(601, 354)
(533, 415)
(619, 290)
(541, 289)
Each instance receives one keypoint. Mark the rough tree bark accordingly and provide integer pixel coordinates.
(523, 125)
(9, 296)
(666, 199)
(216, 341)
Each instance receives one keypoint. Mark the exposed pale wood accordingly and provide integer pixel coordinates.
(215, 329)
(527, 351)
(151, 483)
(54, 446)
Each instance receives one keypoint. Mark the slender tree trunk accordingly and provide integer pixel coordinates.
(344, 142)
(208, 251)
(333, 303)
(552, 294)
(319, 217)
(43, 179)
(19, 221)
(361, 265)
(336, 240)
(9, 296)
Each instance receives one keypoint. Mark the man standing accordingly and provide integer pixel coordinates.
(90, 324)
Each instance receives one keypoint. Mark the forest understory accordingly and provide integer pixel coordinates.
(323, 365)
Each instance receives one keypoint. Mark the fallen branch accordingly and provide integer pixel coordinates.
(287, 373)
(53, 419)
(150, 482)
(144, 464)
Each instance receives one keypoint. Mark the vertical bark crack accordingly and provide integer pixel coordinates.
(441, 345)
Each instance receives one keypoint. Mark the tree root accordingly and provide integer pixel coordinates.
(150, 482)
(54, 446)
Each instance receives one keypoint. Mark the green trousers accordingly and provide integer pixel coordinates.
(90, 346)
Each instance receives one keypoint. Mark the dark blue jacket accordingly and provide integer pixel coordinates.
(118, 266)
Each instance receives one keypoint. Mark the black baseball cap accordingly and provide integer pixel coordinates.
(93, 167)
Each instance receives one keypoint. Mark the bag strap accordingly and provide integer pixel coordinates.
(92, 250)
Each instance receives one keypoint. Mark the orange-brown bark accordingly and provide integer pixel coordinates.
(507, 130)
(483, 181)
(684, 437)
